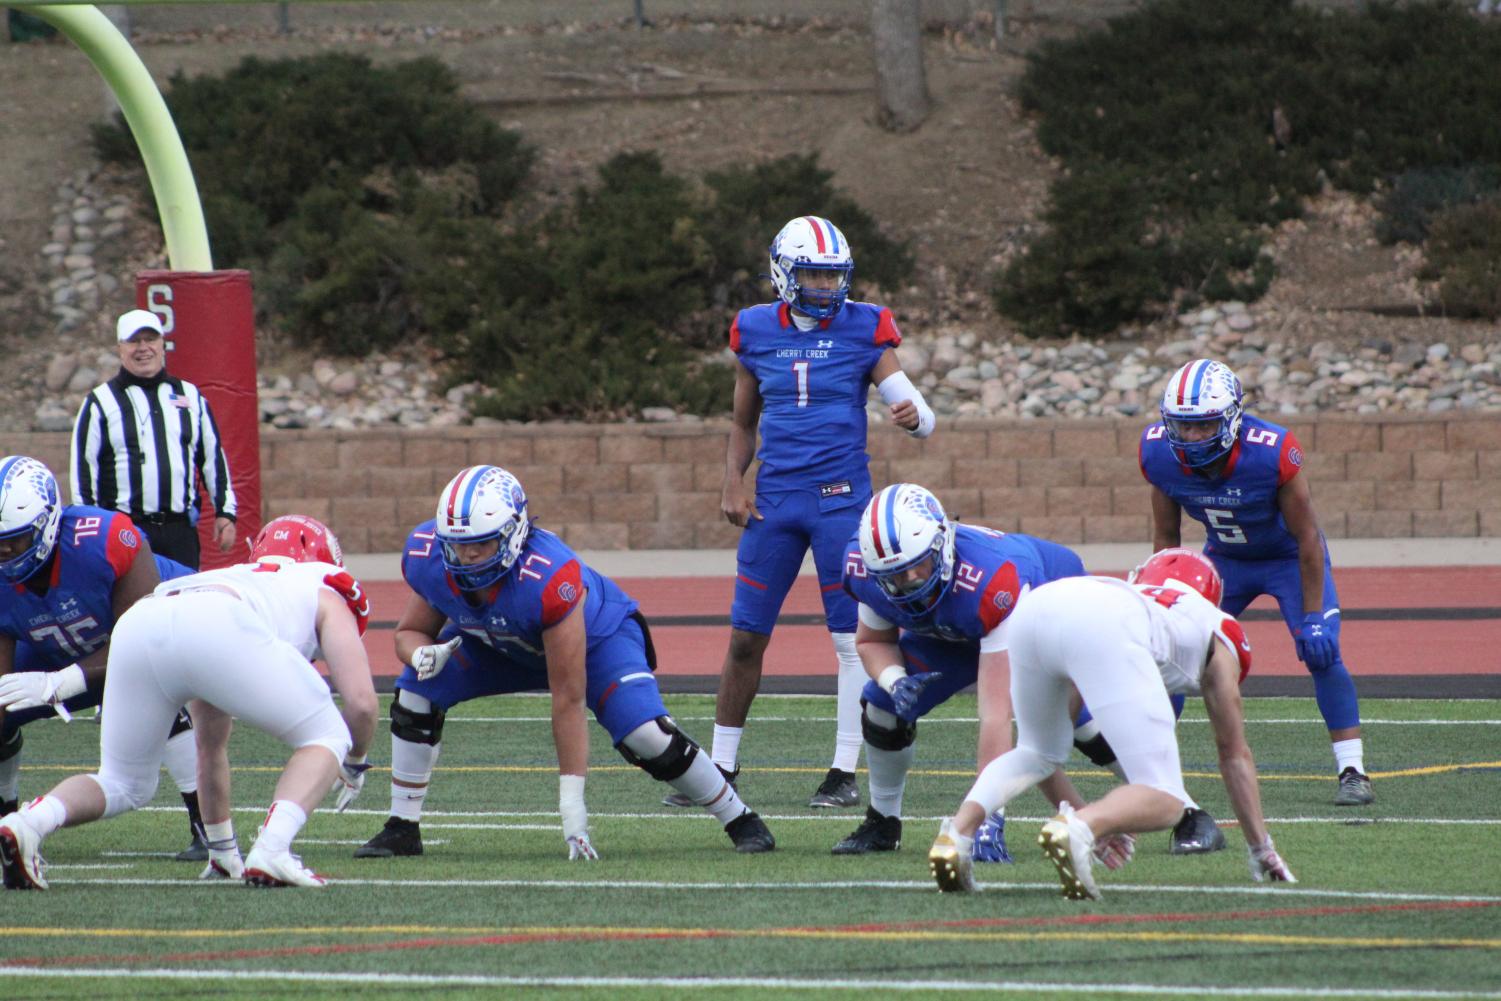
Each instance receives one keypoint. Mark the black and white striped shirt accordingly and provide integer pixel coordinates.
(139, 446)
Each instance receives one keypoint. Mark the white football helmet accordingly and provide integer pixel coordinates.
(480, 504)
(1200, 392)
(29, 507)
(811, 243)
(903, 527)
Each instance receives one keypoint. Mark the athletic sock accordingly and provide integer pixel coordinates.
(1349, 754)
(727, 746)
(283, 821)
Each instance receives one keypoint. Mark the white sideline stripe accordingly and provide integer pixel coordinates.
(356, 841)
(90, 865)
(974, 719)
(699, 983)
(925, 886)
(1348, 820)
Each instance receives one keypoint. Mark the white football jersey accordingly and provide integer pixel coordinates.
(1184, 625)
(282, 595)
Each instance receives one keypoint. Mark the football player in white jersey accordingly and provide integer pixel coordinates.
(1123, 646)
(236, 642)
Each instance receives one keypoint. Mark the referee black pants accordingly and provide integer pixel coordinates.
(176, 540)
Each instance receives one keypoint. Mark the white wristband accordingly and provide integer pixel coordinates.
(355, 759)
(898, 387)
(70, 682)
(890, 676)
(571, 805)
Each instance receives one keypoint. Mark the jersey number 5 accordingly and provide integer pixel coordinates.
(1223, 523)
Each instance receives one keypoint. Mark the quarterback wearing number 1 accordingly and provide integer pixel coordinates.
(1241, 477)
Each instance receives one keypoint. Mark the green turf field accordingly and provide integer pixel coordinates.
(1400, 899)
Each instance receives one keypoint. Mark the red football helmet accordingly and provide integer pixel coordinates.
(296, 538)
(1184, 566)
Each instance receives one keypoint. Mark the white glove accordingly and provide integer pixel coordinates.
(580, 847)
(350, 781)
(1267, 865)
(226, 864)
(1115, 851)
(575, 818)
(429, 660)
(30, 689)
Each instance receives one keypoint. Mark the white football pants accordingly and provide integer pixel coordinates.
(204, 645)
(1087, 634)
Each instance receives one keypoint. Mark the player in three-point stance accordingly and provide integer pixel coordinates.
(1123, 646)
(231, 643)
(501, 606)
(935, 599)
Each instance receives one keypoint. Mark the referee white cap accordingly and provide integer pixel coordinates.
(135, 321)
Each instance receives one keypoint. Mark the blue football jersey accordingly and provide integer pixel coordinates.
(813, 389)
(991, 572)
(1239, 506)
(542, 589)
(75, 614)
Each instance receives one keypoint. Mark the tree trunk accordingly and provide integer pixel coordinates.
(896, 29)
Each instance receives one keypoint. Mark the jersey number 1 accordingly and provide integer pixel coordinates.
(801, 369)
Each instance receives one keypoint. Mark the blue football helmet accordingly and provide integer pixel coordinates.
(31, 509)
(809, 243)
(1201, 393)
(480, 504)
(904, 527)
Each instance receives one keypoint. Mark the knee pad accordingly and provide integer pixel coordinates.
(1097, 749)
(670, 763)
(11, 746)
(123, 795)
(415, 727)
(182, 724)
(895, 736)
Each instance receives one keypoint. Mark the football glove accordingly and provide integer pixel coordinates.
(30, 689)
(1318, 645)
(1114, 851)
(1267, 865)
(350, 781)
(990, 840)
(580, 847)
(354, 596)
(907, 692)
(429, 660)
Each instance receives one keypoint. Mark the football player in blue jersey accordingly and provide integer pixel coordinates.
(804, 366)
(1241, 477)
(70, 571)
(502, 606)
(934, 600)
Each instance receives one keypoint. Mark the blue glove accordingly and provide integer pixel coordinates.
(907, 693)
(1318, 645)
(990, 840)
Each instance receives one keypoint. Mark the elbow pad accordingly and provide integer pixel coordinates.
(897, 387)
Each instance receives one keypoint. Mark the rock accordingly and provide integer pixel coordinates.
(1240, 321)
(658, 414)
(59, 372)
(52, 416)
(83, 380)
(1437, 352)
(344, 384)
(1066, 381)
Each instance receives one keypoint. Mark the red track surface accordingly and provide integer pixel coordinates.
(1380, 647)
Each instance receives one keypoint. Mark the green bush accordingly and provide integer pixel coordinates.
(1464, 252)
(1417, 195)
(1163, 120)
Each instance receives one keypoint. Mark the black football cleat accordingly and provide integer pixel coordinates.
(196, 851)
(398, 837)
(750, 834)
(1354, 789)
(837, 791)
(876, 833)
(1195, 834)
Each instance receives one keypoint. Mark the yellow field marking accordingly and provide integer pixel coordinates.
(904, 933)
(1401, 773)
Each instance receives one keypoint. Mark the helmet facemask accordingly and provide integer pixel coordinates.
(810, 244)
(1201, 413)
(904, 528)
(482, 504)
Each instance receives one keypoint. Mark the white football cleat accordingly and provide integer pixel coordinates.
(1068, 843)
(263, 868)
(952, 863)
(21, 855)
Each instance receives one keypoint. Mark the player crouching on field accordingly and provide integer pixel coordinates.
(1125, 647)
(510, 608)
(236, 642)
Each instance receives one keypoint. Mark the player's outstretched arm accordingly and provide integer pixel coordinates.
(566, 647)
(994, 692)
(736, 504)
(1221, 688)
(879, 653)
(348, 668)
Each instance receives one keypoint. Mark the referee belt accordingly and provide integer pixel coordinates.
(170, 518)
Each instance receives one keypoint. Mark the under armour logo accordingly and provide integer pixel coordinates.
(825, 344)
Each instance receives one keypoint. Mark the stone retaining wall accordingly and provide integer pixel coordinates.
(656, 486)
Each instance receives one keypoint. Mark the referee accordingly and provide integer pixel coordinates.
(143, 439)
